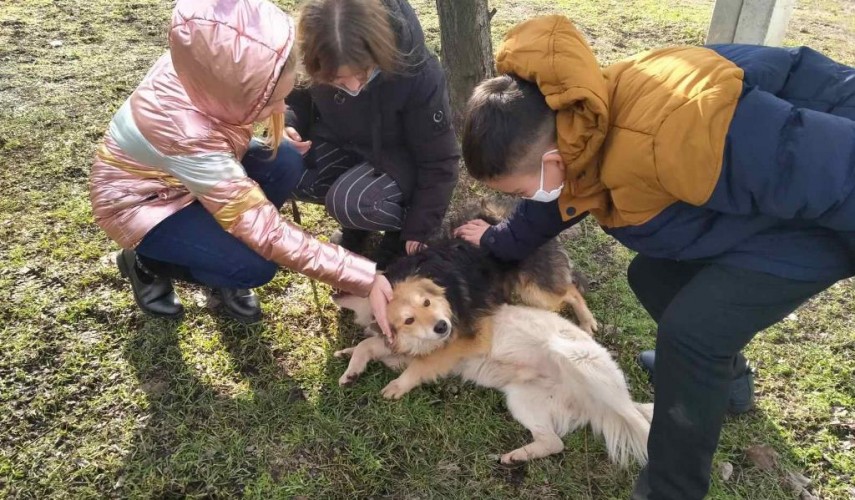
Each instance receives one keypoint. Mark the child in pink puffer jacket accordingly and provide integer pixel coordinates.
(180, 184)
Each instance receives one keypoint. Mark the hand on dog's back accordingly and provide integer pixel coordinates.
(472, 231)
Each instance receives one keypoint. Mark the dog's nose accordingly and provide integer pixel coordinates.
(441, 327)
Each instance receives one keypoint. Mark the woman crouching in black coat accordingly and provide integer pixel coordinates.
(374, 124)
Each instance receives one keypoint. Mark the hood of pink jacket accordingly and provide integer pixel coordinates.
(228, 54)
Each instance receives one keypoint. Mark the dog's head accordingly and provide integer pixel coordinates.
(420, 316)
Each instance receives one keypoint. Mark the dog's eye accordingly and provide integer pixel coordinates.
(427, 302)
(409, 321)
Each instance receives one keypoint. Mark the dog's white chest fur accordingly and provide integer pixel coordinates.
(555, 376)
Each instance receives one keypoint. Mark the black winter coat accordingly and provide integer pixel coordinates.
(401, 124)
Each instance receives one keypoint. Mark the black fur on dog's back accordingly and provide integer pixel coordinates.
(472, 279)
(549, 266)
(476, 282)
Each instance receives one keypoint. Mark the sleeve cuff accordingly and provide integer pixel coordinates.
(358, 275)
(488, 239)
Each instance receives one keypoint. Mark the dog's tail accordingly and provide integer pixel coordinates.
(608, 405)
(626, 431)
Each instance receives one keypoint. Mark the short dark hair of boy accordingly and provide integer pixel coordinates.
(507, 128)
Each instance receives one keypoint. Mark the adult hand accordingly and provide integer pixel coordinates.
(293, 137)
(379, 297)
(472, 231)
(414, 247)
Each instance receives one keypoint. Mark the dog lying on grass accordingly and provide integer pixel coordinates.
(450, 316)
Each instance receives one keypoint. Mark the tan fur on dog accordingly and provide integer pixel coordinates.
(532, 295)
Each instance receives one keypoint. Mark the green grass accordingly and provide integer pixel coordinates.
(97, 400)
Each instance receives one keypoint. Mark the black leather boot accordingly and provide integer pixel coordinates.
(153, 294)
(240, 304)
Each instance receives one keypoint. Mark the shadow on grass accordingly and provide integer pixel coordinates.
(255, 435)
(197, 439)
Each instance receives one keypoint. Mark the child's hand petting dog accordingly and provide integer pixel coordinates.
(379, 297)
(472, 231)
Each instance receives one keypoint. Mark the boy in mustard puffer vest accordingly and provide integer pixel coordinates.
(730, 169)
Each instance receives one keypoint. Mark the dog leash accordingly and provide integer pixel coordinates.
(298, 219)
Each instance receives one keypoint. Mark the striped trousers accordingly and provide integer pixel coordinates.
(353, 194)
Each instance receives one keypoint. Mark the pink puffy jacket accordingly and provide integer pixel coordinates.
(181, 134)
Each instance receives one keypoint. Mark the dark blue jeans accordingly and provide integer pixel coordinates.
(190, 245)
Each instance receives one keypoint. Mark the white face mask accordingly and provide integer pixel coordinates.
(354, 93)
(545, 196)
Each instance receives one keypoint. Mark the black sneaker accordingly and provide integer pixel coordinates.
(239, 304)
(741, 388)
(353, 240)
(390, 248)
(153, 294)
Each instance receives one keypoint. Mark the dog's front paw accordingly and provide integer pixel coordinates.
(516, 456)
(590, 326)
(395, 389)
(348, 378)
(344, 352)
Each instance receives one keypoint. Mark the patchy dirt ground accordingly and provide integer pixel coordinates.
(97, 400)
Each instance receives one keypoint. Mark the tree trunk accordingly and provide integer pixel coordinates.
(467, 52)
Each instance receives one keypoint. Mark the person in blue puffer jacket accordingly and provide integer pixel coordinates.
(729, 169)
